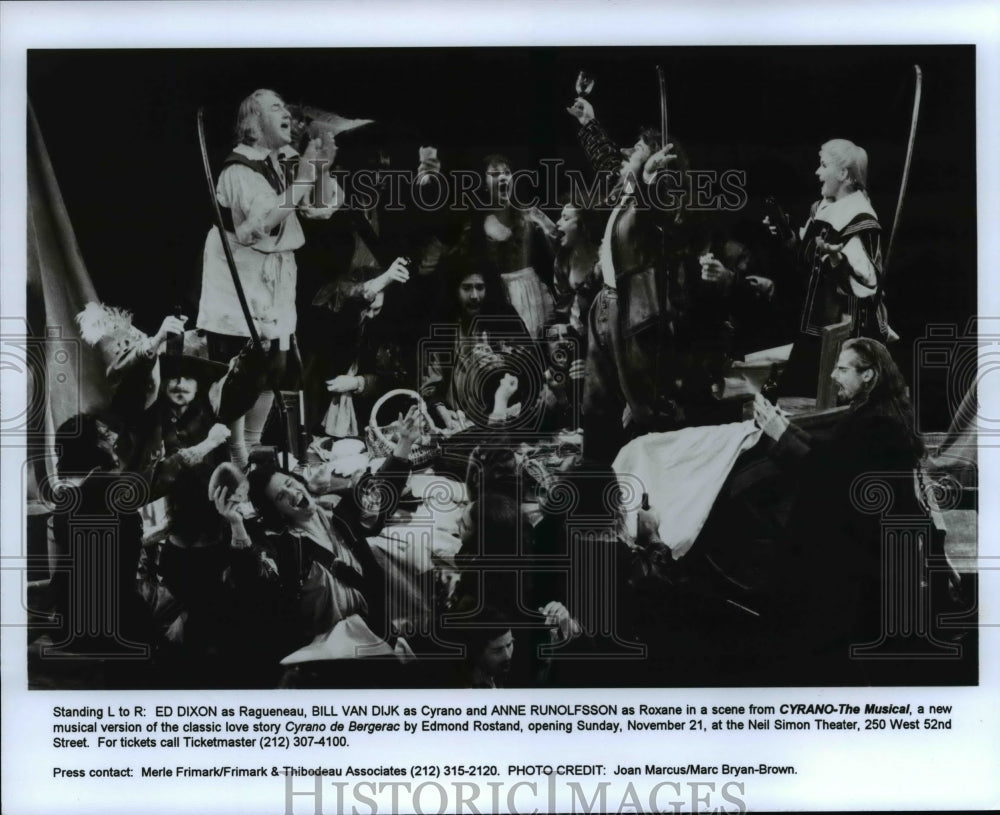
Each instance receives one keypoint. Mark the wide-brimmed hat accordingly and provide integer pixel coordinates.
(190, 359)
(350, 638)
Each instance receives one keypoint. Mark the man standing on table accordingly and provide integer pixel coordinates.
(263, 185)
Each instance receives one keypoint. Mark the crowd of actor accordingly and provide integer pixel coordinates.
(413, 336)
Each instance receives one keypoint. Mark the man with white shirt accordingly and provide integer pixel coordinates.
(263, 186)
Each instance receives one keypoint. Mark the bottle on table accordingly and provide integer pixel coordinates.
(769, 390)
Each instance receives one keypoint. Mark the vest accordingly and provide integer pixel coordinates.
(262, 167)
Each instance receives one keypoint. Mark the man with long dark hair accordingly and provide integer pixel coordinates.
(868, 381)
(477, 318)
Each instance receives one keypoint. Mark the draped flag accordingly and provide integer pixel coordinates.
(64, 375)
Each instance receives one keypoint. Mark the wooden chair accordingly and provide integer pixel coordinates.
(832, 338)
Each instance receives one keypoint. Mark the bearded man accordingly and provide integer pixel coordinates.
(834, 553)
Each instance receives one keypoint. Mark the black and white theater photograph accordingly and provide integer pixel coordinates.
(501, 367)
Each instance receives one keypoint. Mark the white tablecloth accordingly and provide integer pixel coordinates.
(682, 472)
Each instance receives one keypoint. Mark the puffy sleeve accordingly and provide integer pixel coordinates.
(863, 277)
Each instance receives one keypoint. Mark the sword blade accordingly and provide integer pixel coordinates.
(918, 76)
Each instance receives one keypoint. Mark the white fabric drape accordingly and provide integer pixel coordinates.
(682, 472)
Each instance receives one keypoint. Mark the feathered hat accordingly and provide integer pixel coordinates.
(111, 332)
(120, 343)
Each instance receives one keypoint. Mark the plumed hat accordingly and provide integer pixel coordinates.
(121, 345)
(111, 332)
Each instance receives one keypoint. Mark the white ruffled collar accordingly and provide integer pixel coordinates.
(840, 213)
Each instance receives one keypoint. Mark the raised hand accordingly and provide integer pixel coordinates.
(229, 511)
(411, 426)
(507, 387)
(557, 617)
(396, 273)
(543, 222)
(581, 110)
(227, 508)
(657, 162)
(170, 325)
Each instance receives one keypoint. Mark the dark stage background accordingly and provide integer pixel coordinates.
(120, 130)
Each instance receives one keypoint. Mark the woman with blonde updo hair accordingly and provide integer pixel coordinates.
(853, 159)
(840, 258)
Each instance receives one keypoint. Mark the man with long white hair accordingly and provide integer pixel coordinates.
(263, 187)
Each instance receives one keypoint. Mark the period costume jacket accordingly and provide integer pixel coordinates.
(657, 333)
(854, 286)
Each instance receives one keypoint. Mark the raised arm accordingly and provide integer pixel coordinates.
(134, 370)
(603, 154)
